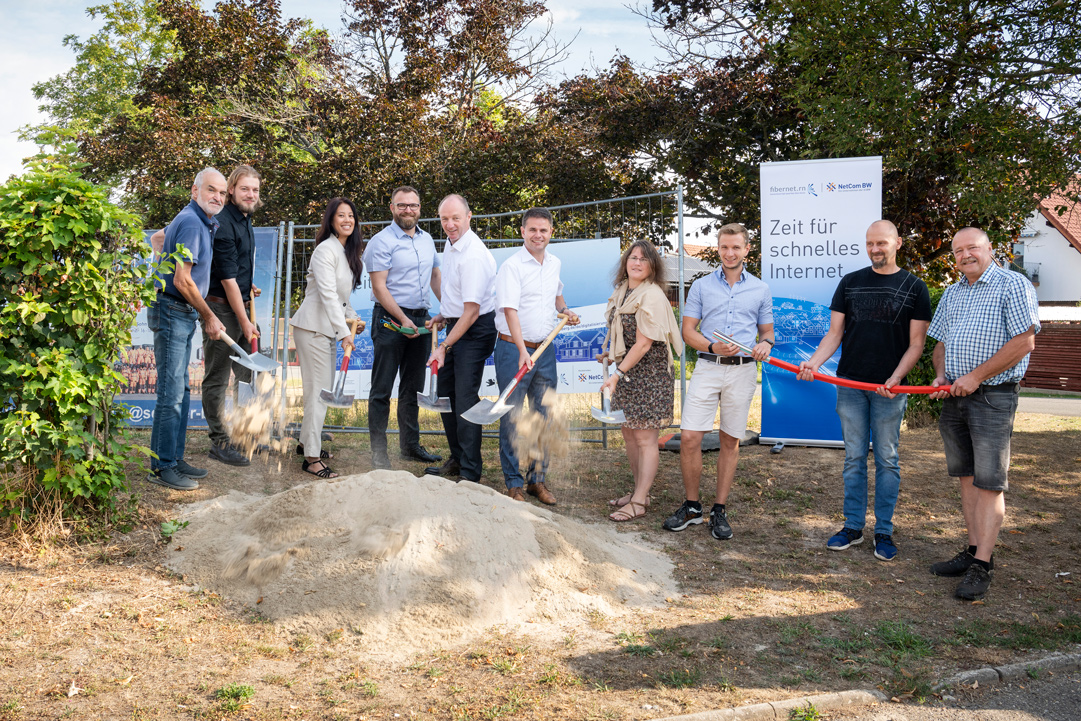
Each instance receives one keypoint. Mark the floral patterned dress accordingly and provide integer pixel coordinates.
(647, 394)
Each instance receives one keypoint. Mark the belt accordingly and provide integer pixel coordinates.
(216, 299)
(410, 311)
(170, 296)
(531, 346)
(725, 360)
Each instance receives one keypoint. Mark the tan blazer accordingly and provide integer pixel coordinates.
(326, 306)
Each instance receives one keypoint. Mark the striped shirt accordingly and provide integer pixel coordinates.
(974, 321)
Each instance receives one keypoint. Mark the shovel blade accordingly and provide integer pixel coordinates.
(256, 362)
(486, 412)
(612, 417)
(433, 402)
(335, 400)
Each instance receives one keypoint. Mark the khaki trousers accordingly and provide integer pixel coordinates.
(317, 354)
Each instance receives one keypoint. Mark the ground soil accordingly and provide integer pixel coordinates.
(104, 630)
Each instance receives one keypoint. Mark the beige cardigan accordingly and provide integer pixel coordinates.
(652, 312)
(326, 307)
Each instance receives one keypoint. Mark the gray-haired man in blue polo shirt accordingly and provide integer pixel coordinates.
(403, 266)
(738, 304)
(172, 317)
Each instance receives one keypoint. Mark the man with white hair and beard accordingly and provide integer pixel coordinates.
(172, 317)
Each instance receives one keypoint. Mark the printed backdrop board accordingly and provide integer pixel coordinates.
(815, 216)
(138, 365)
(586, 269)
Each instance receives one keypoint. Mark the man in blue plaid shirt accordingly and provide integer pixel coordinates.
(986, 325)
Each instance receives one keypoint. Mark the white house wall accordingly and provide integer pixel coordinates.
(1059, 262)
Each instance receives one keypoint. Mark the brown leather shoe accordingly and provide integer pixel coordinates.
(541, 493)
(516, 493)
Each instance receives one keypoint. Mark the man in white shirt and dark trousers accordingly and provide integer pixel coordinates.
(528, 295)
(467, 307)
(402, 264)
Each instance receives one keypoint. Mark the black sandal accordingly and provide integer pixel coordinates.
(323, 472)
(323, 454)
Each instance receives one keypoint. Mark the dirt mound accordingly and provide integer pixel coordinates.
(414, 562)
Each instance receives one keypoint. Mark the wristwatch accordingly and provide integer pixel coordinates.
(619, 374)
(767, 340)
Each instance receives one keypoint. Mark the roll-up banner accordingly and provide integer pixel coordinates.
(815, 215)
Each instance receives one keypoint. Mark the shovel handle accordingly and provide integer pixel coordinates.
(540, 349)
(251, 315)
(435, 344)
(224, 337)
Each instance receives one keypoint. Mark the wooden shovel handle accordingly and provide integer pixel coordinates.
(540, 349)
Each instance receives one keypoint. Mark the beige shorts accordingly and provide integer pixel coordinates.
(730, 387)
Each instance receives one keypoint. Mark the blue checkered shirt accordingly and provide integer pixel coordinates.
(975, 320)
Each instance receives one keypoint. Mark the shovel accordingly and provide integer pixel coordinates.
(487, 411)
(605, 414)
(431, 399)
(246, 392)
(337, 398)
(255, 361)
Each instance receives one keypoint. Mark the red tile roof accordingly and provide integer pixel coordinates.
(1069, 223)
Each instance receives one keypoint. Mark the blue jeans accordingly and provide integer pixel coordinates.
(863, 414)
(533, 384)
(173, 322)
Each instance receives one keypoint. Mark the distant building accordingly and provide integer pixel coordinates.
(1049, 250)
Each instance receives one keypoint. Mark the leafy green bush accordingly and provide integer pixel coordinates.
(70, 287)
(922, 411)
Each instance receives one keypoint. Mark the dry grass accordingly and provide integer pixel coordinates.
(767, 615)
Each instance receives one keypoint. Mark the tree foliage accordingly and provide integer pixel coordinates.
(427, 93)
(108, 65)
(70, 287)
(973, 106)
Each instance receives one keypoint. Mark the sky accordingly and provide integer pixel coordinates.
(33, 48)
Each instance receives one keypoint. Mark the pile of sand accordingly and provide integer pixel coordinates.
(412, 563)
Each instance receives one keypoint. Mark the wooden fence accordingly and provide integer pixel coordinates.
(1056, 361)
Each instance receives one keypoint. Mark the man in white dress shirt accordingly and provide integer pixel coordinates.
(467, 307)
(528, 295)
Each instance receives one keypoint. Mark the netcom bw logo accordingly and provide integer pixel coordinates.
(832, 187)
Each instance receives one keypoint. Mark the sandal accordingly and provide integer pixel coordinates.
(322, 452)
(620, 502)
(637, 510)
(323, 472)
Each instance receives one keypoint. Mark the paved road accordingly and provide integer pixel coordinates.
(1052, 698)
(1056, 406)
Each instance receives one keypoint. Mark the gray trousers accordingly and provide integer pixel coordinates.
(317, 354)
(216, 369)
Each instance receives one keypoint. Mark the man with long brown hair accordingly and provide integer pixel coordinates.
(231, 289)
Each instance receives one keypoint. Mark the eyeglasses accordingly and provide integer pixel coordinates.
(407, 206)
(637, 259)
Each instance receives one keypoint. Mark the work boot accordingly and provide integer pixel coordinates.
(541, 493)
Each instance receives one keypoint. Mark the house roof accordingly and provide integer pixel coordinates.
(692, 267)
(1069, 223)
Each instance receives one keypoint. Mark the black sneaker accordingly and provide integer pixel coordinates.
(718, 524)
(228, 454)
(957, 565)
(687, 515)
(189, 470)
(171, 478)
(975, 584)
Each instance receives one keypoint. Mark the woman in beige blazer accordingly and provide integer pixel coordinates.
(323, 319)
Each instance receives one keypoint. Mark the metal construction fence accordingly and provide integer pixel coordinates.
(657, 217)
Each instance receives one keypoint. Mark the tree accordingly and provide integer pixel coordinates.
(70, 287)
(972, 105)
(107, 68)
